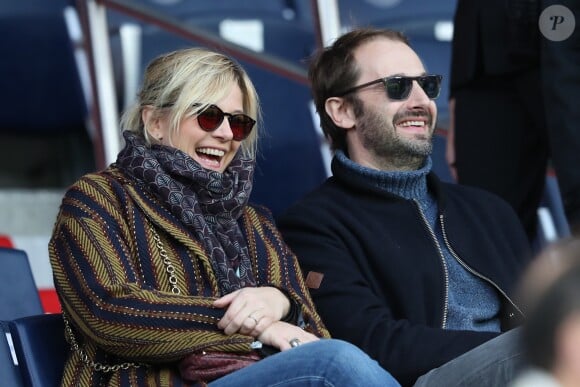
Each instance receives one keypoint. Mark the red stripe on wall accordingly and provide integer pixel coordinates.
(5, 241)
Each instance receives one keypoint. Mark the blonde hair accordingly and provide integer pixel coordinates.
(184, 82)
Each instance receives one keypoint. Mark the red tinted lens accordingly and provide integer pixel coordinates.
(210, 118)
(241, 126)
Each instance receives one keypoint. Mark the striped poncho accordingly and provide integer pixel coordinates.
(115, 291)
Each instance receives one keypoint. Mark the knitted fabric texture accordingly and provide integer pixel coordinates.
(113, 284)
(473, 303)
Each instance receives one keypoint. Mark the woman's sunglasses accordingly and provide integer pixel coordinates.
(212, 117)
(399, 87)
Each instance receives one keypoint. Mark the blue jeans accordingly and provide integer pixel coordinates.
(326, 362)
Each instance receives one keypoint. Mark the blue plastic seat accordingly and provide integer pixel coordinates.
(9, 372)
(41, 348)
(18, 292)
(18, 298)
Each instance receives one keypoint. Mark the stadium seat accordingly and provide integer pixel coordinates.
(18, 293)
(41, 348)
(18, 298)
(39, 76)
(10, 374)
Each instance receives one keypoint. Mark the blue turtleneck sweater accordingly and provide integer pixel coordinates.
(473, 303)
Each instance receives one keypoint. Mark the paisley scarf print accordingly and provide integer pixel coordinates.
(207, 202)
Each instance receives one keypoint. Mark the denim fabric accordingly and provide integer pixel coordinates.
(495, 364)
(326, 362)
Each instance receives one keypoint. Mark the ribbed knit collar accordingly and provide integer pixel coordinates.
(407, 184)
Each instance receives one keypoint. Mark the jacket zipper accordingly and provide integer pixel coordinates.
(443, 264)
(469, 269)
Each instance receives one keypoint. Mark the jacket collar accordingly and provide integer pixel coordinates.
(344, 175)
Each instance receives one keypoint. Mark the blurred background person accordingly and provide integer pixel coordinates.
(497, 138)
(560, 69)
(551, 334)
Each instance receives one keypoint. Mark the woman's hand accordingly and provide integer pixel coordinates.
(284, 336)
(251, 310)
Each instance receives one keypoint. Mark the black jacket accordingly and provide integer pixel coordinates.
(384, 285)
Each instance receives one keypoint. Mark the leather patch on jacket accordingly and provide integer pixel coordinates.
(314, 279)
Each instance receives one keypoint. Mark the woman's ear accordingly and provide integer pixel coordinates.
(340, 112)
(151, 122)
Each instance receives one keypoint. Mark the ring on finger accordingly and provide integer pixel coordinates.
(295, 342)
(253, 318)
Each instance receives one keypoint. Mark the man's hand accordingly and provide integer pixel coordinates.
(284, 336)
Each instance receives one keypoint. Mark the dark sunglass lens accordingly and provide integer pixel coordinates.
(210, 118)
(398, 87)
(431, 85)
(241, 126)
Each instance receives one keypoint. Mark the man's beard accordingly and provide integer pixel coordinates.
(380, 138)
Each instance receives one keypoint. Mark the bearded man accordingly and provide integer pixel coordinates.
(416, 272)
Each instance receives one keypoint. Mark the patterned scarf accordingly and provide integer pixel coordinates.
(207, 202)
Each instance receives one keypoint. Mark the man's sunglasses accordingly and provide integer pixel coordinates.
(399, 87)
(212, 117)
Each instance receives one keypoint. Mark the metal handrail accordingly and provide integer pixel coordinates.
(266, 61)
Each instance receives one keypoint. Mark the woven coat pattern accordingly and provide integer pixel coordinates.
(113, 284)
